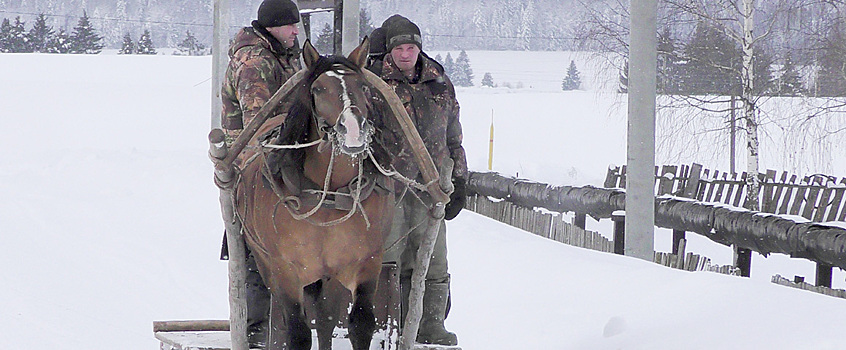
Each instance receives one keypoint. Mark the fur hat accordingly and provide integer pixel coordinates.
(377, 42)
(402, 31)
(276, 13)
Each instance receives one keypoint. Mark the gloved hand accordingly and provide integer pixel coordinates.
(457, 199)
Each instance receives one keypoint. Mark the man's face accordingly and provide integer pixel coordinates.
(405, 57)
(285, 34)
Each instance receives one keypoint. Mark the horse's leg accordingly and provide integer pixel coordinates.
(362, 320)
(288, 327)
(326, 317)
(288, 312)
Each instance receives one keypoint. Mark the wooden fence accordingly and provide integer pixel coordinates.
(546, 225)
(752, 231)
(554, 227)
(818, 198)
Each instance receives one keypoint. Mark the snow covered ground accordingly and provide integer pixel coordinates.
(110, 221)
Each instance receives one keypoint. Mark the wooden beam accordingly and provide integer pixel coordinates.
(191, 326)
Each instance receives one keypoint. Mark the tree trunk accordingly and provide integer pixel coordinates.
(749, 109)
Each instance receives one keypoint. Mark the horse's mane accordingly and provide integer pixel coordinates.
(299, 120)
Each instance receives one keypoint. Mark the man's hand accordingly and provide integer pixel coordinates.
(457, 199)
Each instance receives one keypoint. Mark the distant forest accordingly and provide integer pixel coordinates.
(446, 24)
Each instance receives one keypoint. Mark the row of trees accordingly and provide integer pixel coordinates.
(189, 46)
(41, 37)
(458, 70)
(710, 64)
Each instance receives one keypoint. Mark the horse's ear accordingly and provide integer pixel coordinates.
(310, 55)
(359, 55)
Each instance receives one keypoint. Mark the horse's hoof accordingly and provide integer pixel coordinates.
(257, 336)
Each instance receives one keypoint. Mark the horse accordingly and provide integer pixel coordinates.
(314, 206)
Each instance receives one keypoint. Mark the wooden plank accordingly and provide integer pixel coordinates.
(767, 189)
(790, 192)
(191, 326)
(811, 201)
(666, 179)
(836, 203)
(681, 179)
(741, 186)
(623, 176)
(691, 188)
(709, 196)
(612, 177)
(216, 340)
(700, 192)
(718, 194)
(825, 203)
(798, 199)
(778, 190)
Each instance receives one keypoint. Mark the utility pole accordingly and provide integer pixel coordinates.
(640, 179)
(220, 59)
(351, 9)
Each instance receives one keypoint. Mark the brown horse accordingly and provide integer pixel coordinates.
(313, 205)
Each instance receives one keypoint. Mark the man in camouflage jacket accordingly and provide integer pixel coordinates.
(429, 98)
(261, 59)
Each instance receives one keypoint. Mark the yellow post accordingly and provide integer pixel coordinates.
(491, 144)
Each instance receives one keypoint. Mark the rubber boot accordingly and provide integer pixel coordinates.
(432, 329)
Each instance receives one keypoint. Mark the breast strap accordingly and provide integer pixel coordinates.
(301, 194)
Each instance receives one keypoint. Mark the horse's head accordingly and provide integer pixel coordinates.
(340, 97)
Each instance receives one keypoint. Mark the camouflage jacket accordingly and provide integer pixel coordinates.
(430, 102)
(256, 70)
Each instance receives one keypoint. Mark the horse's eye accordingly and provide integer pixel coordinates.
(317, 90)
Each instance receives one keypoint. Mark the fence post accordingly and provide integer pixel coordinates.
(580, 220)
(678, 236)
(743, 260)
(823, 275)
(619, 218)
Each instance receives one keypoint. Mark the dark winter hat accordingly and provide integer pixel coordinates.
(276, 13)
(377, 42)
(403, 31)
(393, 19)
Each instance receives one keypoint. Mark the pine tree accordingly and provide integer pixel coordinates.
(190, 46)
(325, 44)
(365, 25)
(5, 36)
(128, 46)
(40, 35)
(831, 77)
(61, 42)
(790, 83)
(462, 72)
(145, 44)
(487, 80)
(18, 39)
(449, 65)
(763, 82)
(667, 78)
(84, 38)
(713, 61)
(438, 58)
(572, 81)
(624, 79)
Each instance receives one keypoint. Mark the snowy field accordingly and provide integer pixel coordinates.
(111, 221)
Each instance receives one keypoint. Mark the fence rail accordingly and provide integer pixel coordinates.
(761, 232)
(817, 197)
